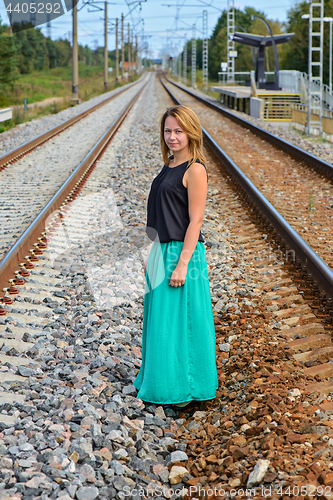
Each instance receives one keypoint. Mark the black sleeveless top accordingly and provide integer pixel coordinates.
(167, 207)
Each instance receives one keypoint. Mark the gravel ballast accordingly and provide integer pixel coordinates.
(71, 425)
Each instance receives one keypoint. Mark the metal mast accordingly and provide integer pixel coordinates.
(129, 49)
(231, 43)
(122, 48)
(194, 58)
(316, 36)
(117, 53)
(185, 64)
(179, 60)
(75, 58)
(48, 25)
(106, 56)
(205, 49)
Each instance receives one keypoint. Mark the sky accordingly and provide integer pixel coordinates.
(154, 18)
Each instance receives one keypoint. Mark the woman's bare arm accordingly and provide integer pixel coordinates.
(197, 193)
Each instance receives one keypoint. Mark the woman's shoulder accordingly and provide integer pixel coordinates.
(196, 166)
(196, 171)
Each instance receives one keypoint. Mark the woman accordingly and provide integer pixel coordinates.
(178, 337)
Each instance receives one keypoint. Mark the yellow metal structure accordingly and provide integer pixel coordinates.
(278, 105)
(300, 121)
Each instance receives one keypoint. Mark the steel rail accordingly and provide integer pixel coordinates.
(40, 139)
(321, 166)
(11, 262)
(315, 265)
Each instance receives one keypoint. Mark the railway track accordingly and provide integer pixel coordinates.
(71, 348)
(286, 240)
(13, 155)
(33, 172)
(33, 179)
(296, 183)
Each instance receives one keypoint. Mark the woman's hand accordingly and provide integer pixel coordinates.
(178, 276)
(145, 266)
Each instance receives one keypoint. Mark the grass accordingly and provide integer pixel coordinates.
(56, 82)
(19, 116)
(312, 207)
(317, 139)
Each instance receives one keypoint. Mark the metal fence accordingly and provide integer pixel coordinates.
(300, 120)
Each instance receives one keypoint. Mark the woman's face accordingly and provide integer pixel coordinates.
(174, 136)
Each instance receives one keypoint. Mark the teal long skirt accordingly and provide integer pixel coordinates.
(178, 335)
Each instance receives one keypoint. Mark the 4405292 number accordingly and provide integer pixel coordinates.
(304, 490)
(34, 8)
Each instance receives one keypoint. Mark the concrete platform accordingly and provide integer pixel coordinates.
(232, 91)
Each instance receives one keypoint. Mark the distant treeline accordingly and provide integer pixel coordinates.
(29, 50)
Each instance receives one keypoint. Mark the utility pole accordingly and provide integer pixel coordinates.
(179, 60)
(132, 52)
(205, 50)
(137, 55)
(117, 53)
(75, 58)
(185, 64)
(106, 58)
(194, 58)
(122, 48)
(129, 49)
(143, 48)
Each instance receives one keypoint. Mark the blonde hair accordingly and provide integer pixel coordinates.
(190, 124)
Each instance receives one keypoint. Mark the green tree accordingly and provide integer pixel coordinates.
(37, 41)
(8, 61)
(52, 53)
(295, 53)
(25, 52)
(88, 55)
(64, 52)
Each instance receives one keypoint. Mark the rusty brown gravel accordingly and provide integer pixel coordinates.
(264, 410)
